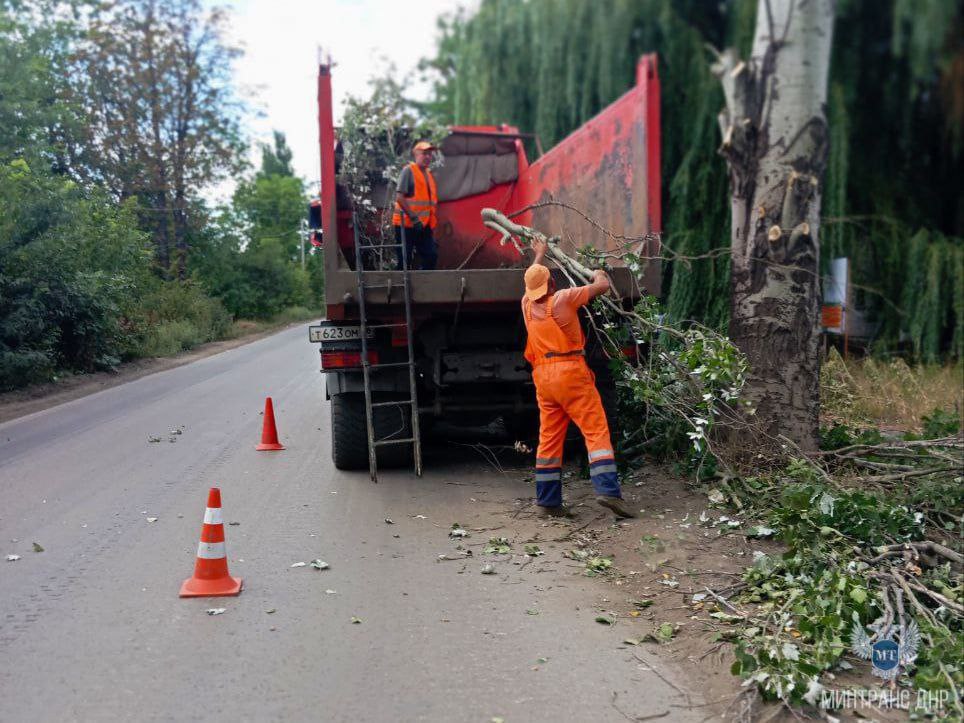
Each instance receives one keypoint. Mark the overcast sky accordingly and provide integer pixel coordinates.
(279, 69)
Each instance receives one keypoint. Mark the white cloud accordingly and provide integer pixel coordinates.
(279, 69)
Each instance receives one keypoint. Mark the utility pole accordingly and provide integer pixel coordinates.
(303, 233)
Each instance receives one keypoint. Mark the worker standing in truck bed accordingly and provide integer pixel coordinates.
(566, 387)
(416, 200)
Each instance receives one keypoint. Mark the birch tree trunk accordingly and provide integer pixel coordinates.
(775, 141)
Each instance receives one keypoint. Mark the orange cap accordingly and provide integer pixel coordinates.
(424, 146)
(537, 282)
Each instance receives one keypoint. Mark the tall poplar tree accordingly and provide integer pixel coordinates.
(775, 141)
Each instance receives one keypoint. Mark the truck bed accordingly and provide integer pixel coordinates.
(609, 168)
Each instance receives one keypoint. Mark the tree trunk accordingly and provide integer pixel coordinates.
(775, 142)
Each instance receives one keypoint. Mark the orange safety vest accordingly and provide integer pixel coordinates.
(547, 342)
(422, 203)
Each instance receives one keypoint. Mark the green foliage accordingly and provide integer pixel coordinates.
(692, 377)
(249, 255)
(812, 511)
(549, 65)
(942, 423)
(78, 288)
(176, 316)
(841, 435)
(809, 598)
(72, 266)
(276, 159)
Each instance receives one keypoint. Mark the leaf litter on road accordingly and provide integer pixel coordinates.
(37, 547)
(320, 565)
(498, 546)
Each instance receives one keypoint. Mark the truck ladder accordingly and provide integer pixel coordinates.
(367, 368)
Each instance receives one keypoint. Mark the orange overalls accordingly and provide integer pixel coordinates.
(566, 389)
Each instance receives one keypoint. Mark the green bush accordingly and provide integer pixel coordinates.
(174, 316)
(170, 337)
(71, 263)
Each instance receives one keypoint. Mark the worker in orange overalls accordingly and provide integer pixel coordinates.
(416, 201)
(566, 387)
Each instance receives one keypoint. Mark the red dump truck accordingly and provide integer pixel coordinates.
(465, 334)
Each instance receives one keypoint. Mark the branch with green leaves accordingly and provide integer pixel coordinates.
(692, 377)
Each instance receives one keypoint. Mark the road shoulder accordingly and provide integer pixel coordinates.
(38, 397)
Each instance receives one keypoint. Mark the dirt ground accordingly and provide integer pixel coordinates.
(21, 402)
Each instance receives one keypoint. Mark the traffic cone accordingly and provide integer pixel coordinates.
(211, 578)
(269, 432)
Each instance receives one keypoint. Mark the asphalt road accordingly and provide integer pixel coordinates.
(92, 627)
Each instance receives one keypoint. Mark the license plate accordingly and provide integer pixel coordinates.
(326, 332)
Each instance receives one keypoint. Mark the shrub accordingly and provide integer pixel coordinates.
(170, 337)
(174, 316)
(71, 262)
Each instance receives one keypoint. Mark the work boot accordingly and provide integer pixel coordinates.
(616, 505)
(557, 511)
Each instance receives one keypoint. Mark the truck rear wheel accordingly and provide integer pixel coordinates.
(349, 431)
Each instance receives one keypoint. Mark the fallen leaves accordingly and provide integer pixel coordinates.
(498, 546)
(320, 565)
(598, 565)
(37, 547)
(664, 632)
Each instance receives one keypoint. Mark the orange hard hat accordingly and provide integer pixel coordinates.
(424, 146)
(537, 282)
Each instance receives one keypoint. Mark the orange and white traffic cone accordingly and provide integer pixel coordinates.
(269, 432)
(211, 578)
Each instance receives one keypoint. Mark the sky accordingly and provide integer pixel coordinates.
(278, 72)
